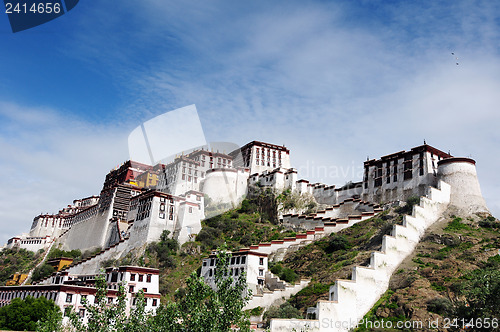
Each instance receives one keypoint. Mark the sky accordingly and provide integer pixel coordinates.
(335, 81)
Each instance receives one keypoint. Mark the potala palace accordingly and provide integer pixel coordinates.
(139, 201)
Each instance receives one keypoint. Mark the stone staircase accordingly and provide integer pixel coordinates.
(277, 249)
(349, 208)
(276, 293)
(350, 300)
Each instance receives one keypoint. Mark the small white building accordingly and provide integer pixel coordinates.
(69, 291)
(253, 263)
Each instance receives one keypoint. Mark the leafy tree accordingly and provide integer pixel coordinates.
(21, 315)
(102, 317)
(51, 322)
(198, 308)
(164, 250)
(205, 309)
(42, 272)
(56, 253)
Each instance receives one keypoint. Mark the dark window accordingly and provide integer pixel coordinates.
(69, 297)
(155, 302)
(148, 278)
(261, 261)
(131, 289)
(141, 277)
(243, 259)
(132, 277)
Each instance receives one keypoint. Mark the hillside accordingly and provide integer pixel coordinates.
(456, 261)
(448, 266)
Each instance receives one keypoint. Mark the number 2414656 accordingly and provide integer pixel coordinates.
(36, 8)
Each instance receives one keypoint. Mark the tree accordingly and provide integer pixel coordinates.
(102, 317)
(21, 315)
(200, 308)
(205, 309)
(42, 272)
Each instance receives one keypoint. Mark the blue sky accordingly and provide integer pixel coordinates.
(336, 81)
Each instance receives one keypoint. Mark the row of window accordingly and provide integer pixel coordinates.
(140, 277)
(81, 312)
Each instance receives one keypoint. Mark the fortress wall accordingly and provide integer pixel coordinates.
(226, 185)
(87, 234)
(461, 174)
(267, 299)
(93, 264)
(351, 299)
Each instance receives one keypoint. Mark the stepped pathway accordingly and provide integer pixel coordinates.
(276, 249)
(30, 273)
(91, 265)
(348, 208)
(351, 299)
(282, 291)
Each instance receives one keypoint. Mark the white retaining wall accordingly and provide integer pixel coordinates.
(351, 299)
(267, 299)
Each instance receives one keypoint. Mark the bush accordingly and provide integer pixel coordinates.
(408, 207)
(164, 250)
(337, 242)
(286, 310)
(56, 253)
(456, 225)
(42, 272)
(440, 305)
(289, 275)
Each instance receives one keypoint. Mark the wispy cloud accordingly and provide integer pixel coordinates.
(48, 160)
(334, 81)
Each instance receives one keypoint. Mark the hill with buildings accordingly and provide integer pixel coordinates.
(333, 253)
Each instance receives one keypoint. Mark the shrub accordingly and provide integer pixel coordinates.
(22, 315)
(456, 225)
(42, 272)
(337, 242)
(440, 305)
(286, 310)
(408, 207)
(289, 275)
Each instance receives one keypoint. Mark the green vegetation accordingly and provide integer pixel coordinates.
(42, 272)
(480, 289)
(22, 315)
(441, 306)
(408, 207)
(457, 225)
(198, 308)
(289, 200)
(161, 253)
(285, 273)
(286, 310)
(57, 253)
(385, 301)
(16, 261)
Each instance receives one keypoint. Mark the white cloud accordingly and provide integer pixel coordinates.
(331, 86)
(48, 160)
